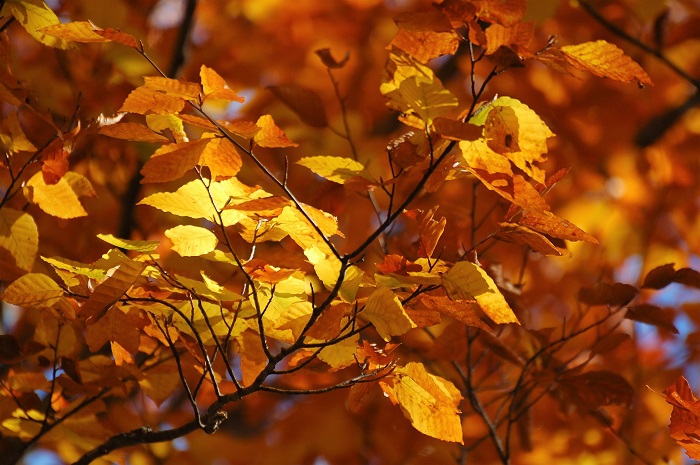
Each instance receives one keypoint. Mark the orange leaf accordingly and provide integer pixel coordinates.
(305, 103)
(270, 135)
(604, 59)
(173, 87)
(77, 31)
(108, 292)
(144, 100)
(398, 265)
(55, 160)
(215, 86)
(430, 231)
(222, 158)
(616, 295)
(503, 12)
(425, 36)
(121, 37)
(464, 312)
(172, 161)
(520, 35)
(552, 225)
(132, 131)
(115, 326)
(253, 358)
(523, 235)
(653, 315)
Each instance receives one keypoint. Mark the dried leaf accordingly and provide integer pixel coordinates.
(328, 61)
(215, 87)
(517, 234)
(108, 292)
(172, 161)
(685, 417)
(133, 131)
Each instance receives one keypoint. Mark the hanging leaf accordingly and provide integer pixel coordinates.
(384, 310)
(429, 402)
(171, 162)
(425, 36)
(34, 16)
(336, 169)
(304, 102)
(61, 199)
(685, 417)
(191, 241)
(269, 135)
(33, 290)
(19, 236)
(215, 87)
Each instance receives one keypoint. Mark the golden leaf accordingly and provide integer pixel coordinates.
(336, 169)
(132, 131)
(34, 290)
(215, 86)
(429, 402)
(425, 35)
(604, 59)
(270, 135)
(12, 136)
(504, 12)
(222, 158)
(160, 381)
(34, 16)
(60, 199)
(19, 236)
(76, 31)
(497, 36)
(191, 241)
(340, 354)
(384, 310)
(119, 280)
(467, 281)
(518, 234)
(138, 246)
(173, 87)
(144, 100)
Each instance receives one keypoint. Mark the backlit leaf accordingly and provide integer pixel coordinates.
(269, 135)
(19, 236)
(215, 87)
(144, 101)
(108, 292)
(34, 15)
(429, 402)
(60, 199)
(547, 223)
(138, 246)
(115, 326)
(12, 136)
(336, 169)
(304, 102)
(191, 241)
(523, 235)
(173, 87)
(133, 131)
(160, 381)
(519, 34)
(76, 31)
(604, 59)
(172, 161)
(467, 281)
(384, 310)
(504, 12)
(34, 290)
(685, 417)
(222, 158)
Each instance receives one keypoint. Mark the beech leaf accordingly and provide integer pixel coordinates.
(191, 241)
(19, 236)
(384, 310)
(604, 59)
(34, 290)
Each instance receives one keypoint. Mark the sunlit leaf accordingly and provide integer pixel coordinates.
(19, 236)
(132, 131)
(222, 158)
(467, 281)
(76, 31)
(108, 292)
(191, 241)
(144, 100)
(34, 15)
(506, 13)
(33, 290)
(385, 311)
(138, 246)
(685, 417)
(215, 86)
(269, 135)
(429, 402)
(60, 199)
(425, 36)
(172, 161)
(12, 136)
(336, 169)
(604, 59)
(523, 235)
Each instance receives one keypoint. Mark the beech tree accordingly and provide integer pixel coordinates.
(350, 232)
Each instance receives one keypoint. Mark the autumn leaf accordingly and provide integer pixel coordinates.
(617, 294)
(467, 281)
(270, 135)
(505, 13)
(328, 61)
(221, 157)
(172, 161)
(19, 236)
(685, 417)
(144, 100)
(429, 402)
(133, 131)
(34, 16)
(33, 290)
(336, 169)
(160, 382)
(115, 326)
(523, 235)
(119, 280)
(425, 36)
(519, 35)
(139, 246)
(604, 59)
(430, 230)
(215, 87)
(76, 31)
(304, 102)
(652, 315)
(384, 309)
(191, 241)
(12, 136)
(61, 199)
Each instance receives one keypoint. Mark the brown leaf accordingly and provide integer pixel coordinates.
(425, 35)
(551, 225)
(653, 315)
(685, 417)
(523, 235)
(325, 55)
(596, 388)
(304, 102)
(616, 295)
(659, 277)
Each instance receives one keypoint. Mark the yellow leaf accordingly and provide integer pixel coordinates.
(396, 281)
(515, 131)
(191, 241)
(25, 424)
(341, 354)
(604, 59)
(132, 131)
(138, 246)
(34, 15)
(215, 86)
(144, 100)
(77, 31)
(169, 123)
(19, 236)
(293, 222)
(384, 310)
(467, 281)
(429, 402)
(412, 87)
(60, 199)
(172, 161)
(336, 169)
(253, 358)
(108, 292)
(327, 268)
(34, 290)
(222, 158)
(270, 135)
(12, 135)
